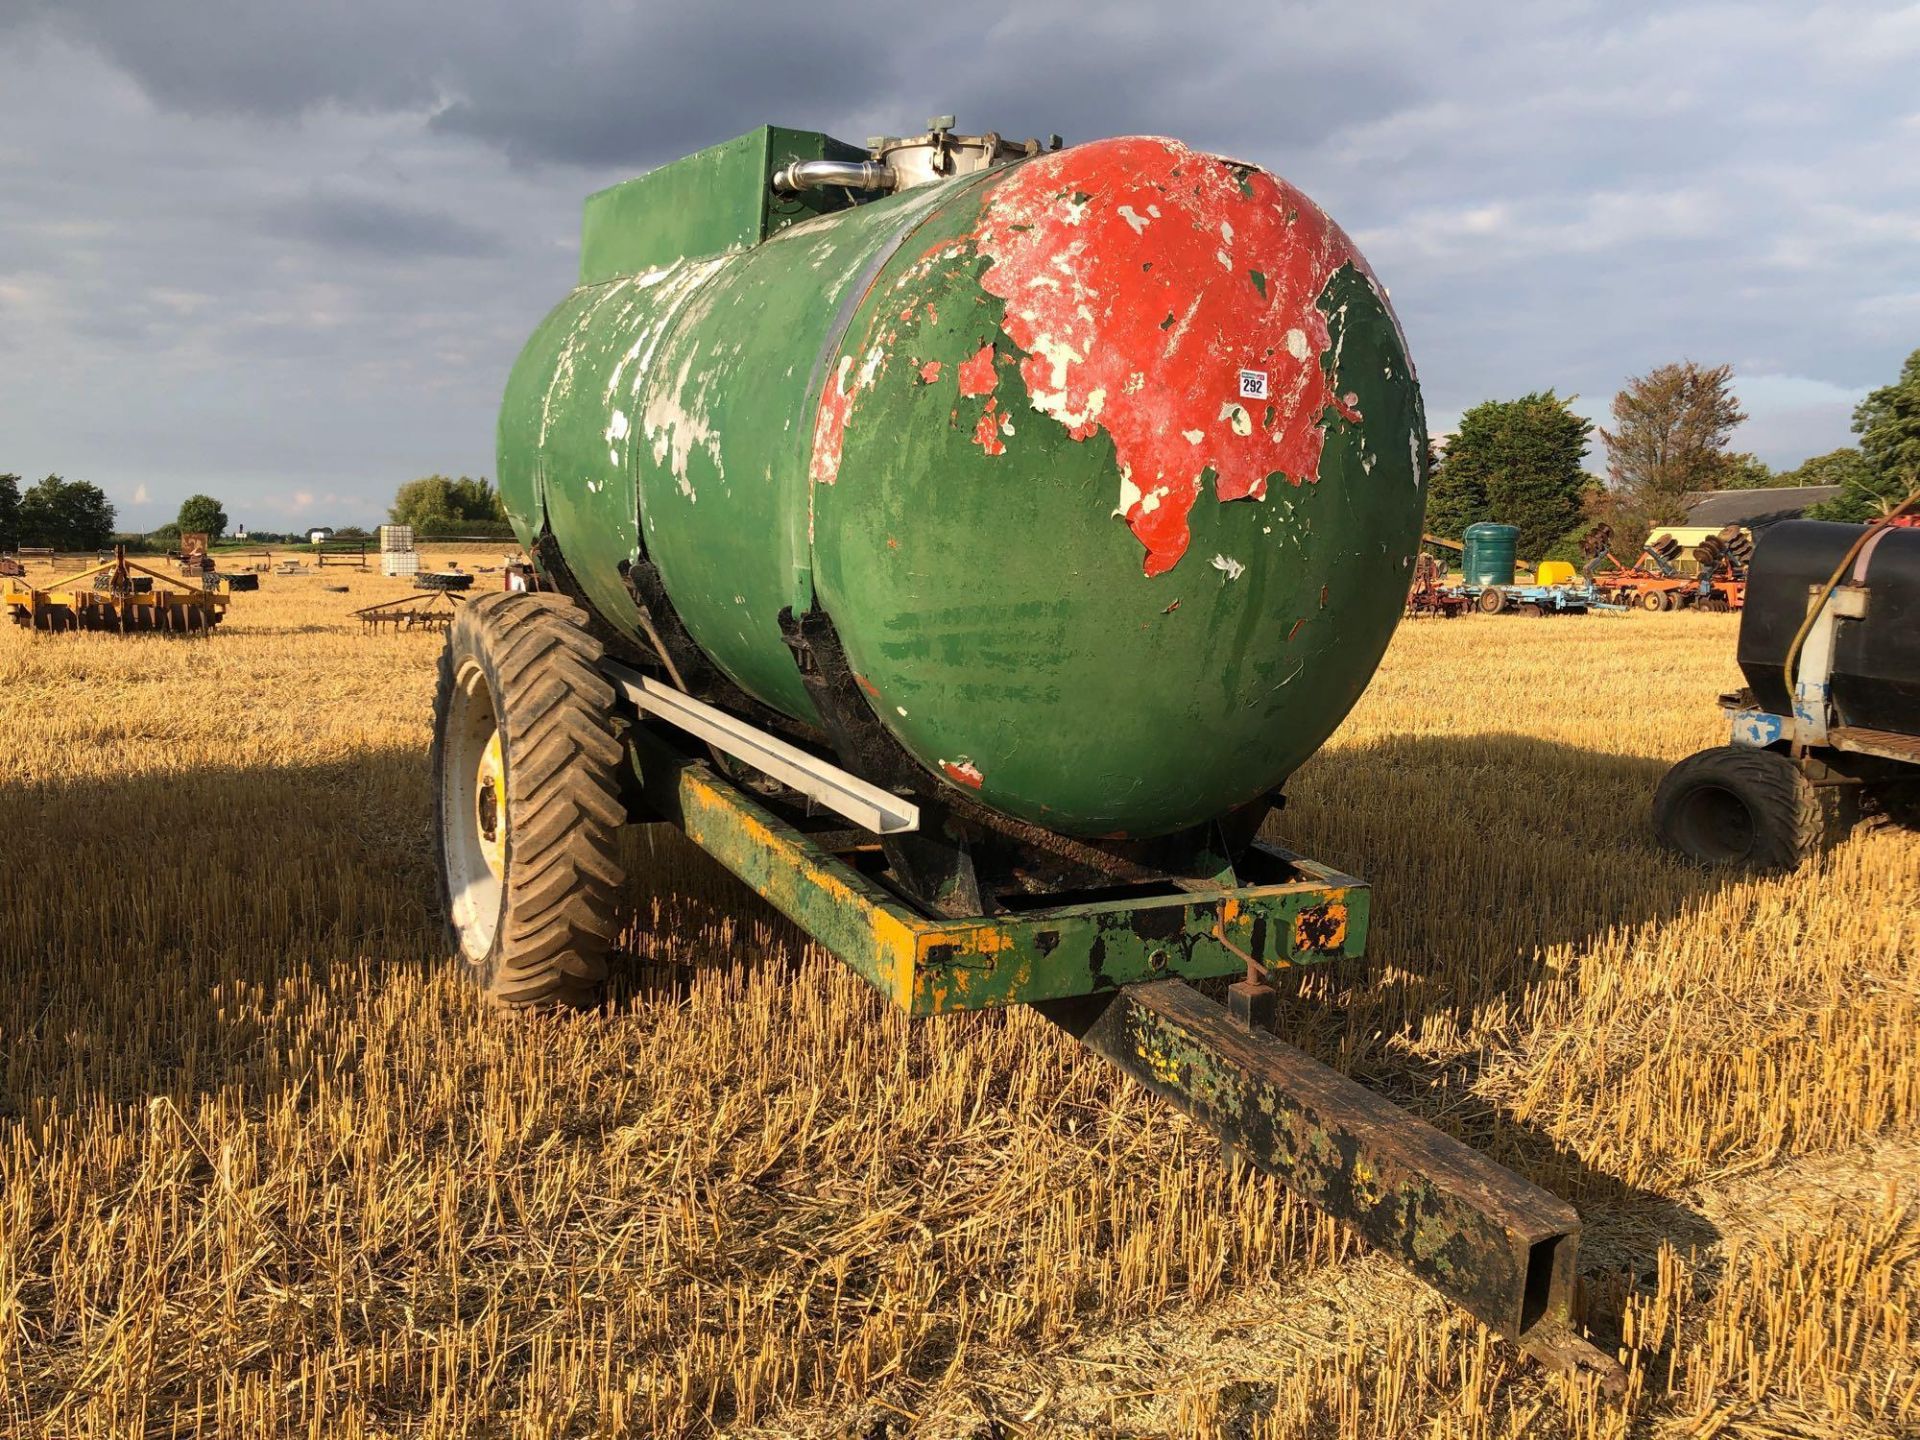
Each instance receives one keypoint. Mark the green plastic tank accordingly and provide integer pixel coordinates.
(1488, 557)
(1107, 463)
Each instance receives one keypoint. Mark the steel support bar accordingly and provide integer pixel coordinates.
(846, 795)
(1494, 1244)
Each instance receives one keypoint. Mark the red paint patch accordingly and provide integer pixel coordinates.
(965, 772)
(867, 685)
(830, 424)
(1123, 267)
(977, 375)
(986, 434)
(933, 316)
(930, 372)
(1296, 629)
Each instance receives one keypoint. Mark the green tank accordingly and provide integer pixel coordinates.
(1107, 463)
(1488, 553)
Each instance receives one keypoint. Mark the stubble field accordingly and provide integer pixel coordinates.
(266, 1168)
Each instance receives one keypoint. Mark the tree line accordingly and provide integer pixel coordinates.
(57, 512)
(1523, 462)
(75, 515)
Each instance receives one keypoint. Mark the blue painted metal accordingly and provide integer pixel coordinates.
(1756, 729)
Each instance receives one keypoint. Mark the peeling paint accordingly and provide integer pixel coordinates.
(977, 375)
(1092, 290)
(1229, 567)
(930, 372)
(964, 772)
(986, 433)
(830, 424)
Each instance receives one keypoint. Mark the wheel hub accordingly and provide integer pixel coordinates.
(490, 807)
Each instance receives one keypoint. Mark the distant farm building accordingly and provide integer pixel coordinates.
(1754, 510)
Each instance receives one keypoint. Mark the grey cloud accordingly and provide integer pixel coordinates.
(606, 83)
(380, 227)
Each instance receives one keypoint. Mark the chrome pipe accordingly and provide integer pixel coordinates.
(849, 174)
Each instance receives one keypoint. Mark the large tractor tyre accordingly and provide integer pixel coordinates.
(527, 799)
(1737, 806)
(1654, 601)
(1492, 602)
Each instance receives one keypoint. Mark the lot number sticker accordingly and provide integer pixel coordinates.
(1253, 384)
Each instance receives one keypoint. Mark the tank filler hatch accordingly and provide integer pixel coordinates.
(940, 154)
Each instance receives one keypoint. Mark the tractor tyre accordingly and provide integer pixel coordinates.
(527, 800)
(1736, 806)
(1492, 602)
(1654, 601)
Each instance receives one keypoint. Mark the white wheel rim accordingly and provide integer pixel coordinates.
(474, 813)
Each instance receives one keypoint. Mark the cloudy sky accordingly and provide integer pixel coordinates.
(285, 252)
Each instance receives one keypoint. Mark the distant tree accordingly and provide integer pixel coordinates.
(1455, 498)
(165, 537)
(66, 514)
(9, 511)
(1842, 467)
(1517, 462)
(437, 503)
(351, 532)
(478, 501)
(1746, 471)
(1888, 424)
(1669, 439)
(203, 512)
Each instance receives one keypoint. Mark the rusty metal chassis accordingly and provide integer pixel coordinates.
(1111, 969)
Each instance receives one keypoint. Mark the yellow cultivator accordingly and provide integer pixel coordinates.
(119, 596)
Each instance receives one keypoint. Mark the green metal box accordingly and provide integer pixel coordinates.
(715, 200)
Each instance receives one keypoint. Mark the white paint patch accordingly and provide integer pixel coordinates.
(675, 420)
(1194, 437)
(1225, 259)
(1226, 232)
(617, 426)
(1134, 218)
(1129, 493)
(1059, 354)
(903, 711)
(1237, 417)
(1297, 344)
(1229, 567)
(1413, 454)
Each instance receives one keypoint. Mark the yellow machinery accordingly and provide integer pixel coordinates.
(117, 596)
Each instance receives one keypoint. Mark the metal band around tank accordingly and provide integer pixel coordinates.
(863, 282)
